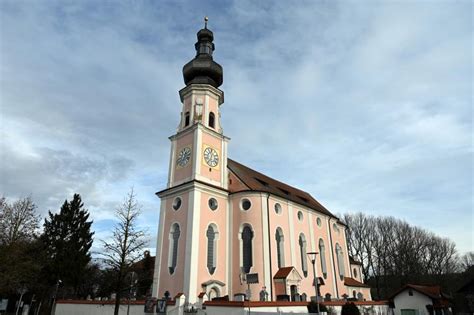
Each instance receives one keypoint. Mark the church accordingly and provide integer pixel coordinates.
(221, 220)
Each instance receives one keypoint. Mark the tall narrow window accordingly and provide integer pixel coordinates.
(322, 255)
(247, 236)
(340, 261)
(211, 120)
(280, 248)
(211, 248)
(186, 119)
(304, 262)
(173, 248)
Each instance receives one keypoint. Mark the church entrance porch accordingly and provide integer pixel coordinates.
(287, 282)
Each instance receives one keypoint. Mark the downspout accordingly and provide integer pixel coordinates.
(333, 264)
(269, 246)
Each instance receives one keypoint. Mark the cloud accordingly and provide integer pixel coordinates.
(370, 106)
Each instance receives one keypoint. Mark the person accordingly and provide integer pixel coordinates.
(264, 294)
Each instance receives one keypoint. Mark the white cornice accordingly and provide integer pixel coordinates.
(193, 127)
(201, 88)
(192, 185)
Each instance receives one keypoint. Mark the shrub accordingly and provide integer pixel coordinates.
(313, 307)
(350, 309)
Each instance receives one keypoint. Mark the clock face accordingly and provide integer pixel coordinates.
(184, 156)
(211, 157)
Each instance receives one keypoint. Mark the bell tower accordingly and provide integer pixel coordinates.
(199, 148)
(194, 214)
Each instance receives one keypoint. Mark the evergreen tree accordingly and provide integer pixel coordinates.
(67, 237)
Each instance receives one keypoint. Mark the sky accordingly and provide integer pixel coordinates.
(367, 105)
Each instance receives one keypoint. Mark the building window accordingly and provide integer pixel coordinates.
(278, 208)
(335, 228)
(211, 120)
(410, 292)
(245, 204)
(247, 236)
(340, 261)
(173, 248)
(355, 273)
(318, 222)
(280, 247)
(322, 256)
(304, 262)
(211, 234)
(176, 203)
(186, 119)
(300, 215)
(212, 203)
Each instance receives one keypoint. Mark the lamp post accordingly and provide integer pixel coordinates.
(312, 257)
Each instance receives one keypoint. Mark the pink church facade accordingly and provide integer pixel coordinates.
(220, 220)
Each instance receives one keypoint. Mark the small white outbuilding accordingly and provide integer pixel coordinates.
(420, 300)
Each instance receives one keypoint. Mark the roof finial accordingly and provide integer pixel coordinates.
(205, 21)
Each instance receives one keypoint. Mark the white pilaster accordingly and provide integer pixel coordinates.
(192, 246)
(266, 238)
(159, 250)
(328, 226)
(171, 164)
(292, 234)
(346, 256)
(229, 249)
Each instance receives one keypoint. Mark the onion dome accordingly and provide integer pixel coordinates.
(203, 69)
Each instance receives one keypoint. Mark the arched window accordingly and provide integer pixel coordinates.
(280, 248)
(304, 262)
(340, 261)
(247, 236)
(322, 256)
(211, 234)
(186, 119)
(212, 119)
(173, 248)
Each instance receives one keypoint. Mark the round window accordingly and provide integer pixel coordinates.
(212, 203)
(300, 215)
(278, 208)
(246, 204)
(176, 203)
(318, 222)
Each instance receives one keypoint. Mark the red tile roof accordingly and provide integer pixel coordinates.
(433, 292)
(283, 272)
(260, 182)
(351, 282)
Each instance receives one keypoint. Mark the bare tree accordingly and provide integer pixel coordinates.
(466, 261)
(126, 244)
(390, 249)
(18, 221)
